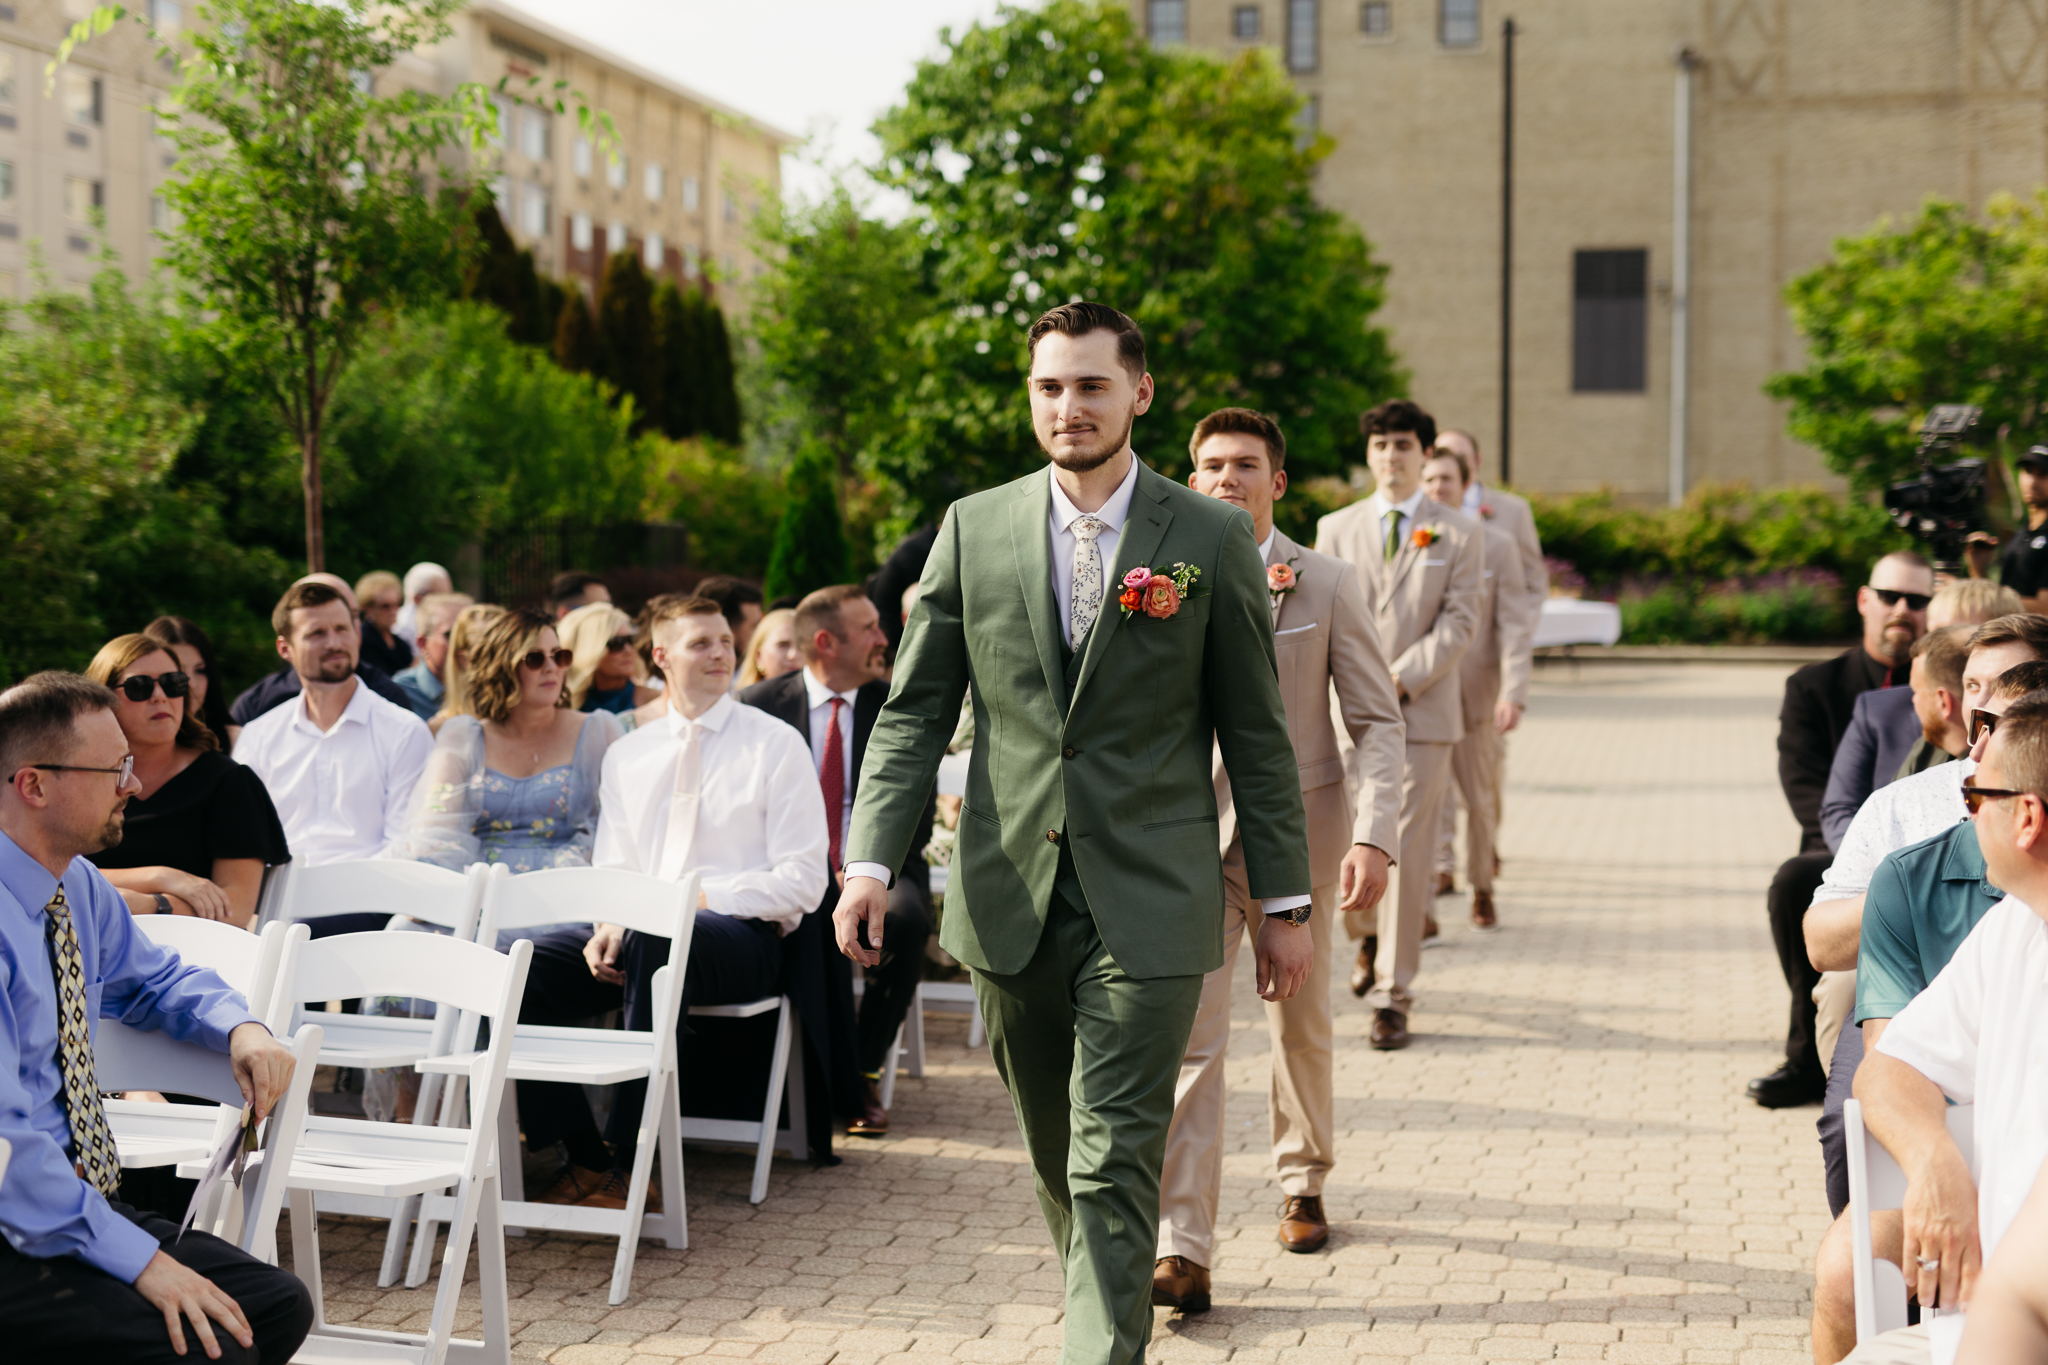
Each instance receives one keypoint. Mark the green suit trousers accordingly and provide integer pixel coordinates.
(1090, 1056)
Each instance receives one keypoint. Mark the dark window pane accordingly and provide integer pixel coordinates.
(1301, 35)
(1610, 317)
(1457, 23)
(1244, 21)
(1376, 18)
(1167, 21)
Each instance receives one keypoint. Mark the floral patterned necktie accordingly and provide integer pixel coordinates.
(97, 1155)
(1087, 577)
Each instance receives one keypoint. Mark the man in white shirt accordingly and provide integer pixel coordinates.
(338, 760)
(1977, 1035)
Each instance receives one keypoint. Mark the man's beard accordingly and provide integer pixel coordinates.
(1897, 643)
(1081, 461)
(333, 669)
(110, 833)
(1932, 732)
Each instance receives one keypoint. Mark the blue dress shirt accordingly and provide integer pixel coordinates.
(45, 1209)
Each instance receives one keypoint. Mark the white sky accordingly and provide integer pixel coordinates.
(822, 69)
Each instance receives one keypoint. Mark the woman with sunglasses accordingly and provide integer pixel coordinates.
(194, 650)
(606, 674)
(203, 829)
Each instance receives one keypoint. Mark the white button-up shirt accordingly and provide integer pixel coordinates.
(345, 793)
(1113, 514)
(1896, 814)
(820, 698)
(1407, 509)
(760, 840)
(1980, 1032)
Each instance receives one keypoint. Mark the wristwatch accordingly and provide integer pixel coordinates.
(1297, 917)
(163, 903)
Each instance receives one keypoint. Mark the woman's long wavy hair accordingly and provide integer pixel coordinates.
(213, 712)
(120, 653)
(493, 677)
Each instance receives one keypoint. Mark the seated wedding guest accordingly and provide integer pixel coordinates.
(379, 596)
(773, 650)
(606, 673)
(283, 685)
(201, 828)
(740, 602)
(715, 788)
(1978, 1035)
(82, 1276)
(573, 589)
(832, 702)
(339, 761)
(470, 624)
(194, 650)
(2008, 1321)
(422, 580)
(425, 682)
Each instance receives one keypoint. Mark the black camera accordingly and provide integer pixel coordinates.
(1945, 505)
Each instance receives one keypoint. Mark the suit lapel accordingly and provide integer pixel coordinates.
(793, 706)
(867, 704)
(1031, 545)
(1144, 528)
(1407, 556)
(1284, 550)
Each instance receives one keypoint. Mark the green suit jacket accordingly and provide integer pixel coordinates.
(1118, 766)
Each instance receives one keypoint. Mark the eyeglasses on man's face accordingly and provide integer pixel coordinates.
(126, 769)
(1975, 796)
(1891, 597)
(1982, 723)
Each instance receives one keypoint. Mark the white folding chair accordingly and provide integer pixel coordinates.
(785, 1081)
(386, 1162)
(1876, 1182)
(148, 1059)
(595, 1056)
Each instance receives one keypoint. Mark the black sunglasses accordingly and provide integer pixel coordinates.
(1915, 601)
(538, 658)
(617, 643)
(1975, 796)
(142, 687)
(1982, 723)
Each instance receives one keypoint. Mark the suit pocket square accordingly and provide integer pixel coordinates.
(1434, 563)
(1293, 630)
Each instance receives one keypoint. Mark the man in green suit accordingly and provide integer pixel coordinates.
(1113, 625)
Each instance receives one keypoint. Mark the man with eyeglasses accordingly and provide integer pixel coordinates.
(426, 682)
(1819, 699)
(84, 1276)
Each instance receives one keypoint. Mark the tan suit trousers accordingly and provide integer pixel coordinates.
(1424, 783)
(1299, 1100)
(1475, 781)
(1834, 1002)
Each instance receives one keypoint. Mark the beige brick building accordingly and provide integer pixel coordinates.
(690, 174)
(1809, 120)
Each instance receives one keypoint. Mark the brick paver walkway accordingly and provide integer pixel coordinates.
(1561, 1167)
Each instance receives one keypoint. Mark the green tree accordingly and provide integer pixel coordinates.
(630, 360)
(679, 344)
(576, 345)
(1949, 308)
(732, 507)
(810, 542)
(720, 406)
(502, 273)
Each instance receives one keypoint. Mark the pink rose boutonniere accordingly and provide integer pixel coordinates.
(1157, 593)
(1486, 510)
(1425, 536)
(1281, 578)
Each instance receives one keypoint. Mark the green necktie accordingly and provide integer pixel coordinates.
(97, 1155)
(1393, 534)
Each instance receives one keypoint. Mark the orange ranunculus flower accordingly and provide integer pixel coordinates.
(1424, 537)
(1162, 599)
(1279, 577)
(1131, 599)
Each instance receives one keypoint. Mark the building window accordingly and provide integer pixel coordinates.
(691, 265)
(6, 76)
(1308, 122)
(615, 171)
(579, 157)
(581, 233)
(653, 254)
(162, 217)
(1610, 317)
(654, 182)
(732, 208)
(1302, 17)
(82, 198)
(166, 16)
(1376, 18)
(82, 95)
(689, 194)
(533, 210)
(1166, 21)
(1457, 23)
(615, 236)
(1244, 23)
(6, 182)
(533, 134)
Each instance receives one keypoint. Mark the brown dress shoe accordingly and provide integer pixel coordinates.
(611, 1194)
(572, 1186)
(1445, 883)
(1302, 1225)
(874, 1119)
(1484, 921)
(1180, 1284)
(1361, 970)
(1432, 932)
(1389, 1030)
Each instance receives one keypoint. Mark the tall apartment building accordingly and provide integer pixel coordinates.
(687, 178)
(1806, 120)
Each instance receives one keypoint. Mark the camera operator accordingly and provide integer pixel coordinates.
(2024, 565)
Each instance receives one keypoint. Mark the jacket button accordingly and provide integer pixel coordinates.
(1052, 836)
(1067, 752)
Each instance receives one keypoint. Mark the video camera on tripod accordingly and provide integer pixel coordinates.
(1944, 507)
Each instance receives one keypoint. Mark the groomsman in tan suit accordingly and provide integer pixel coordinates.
(1493, 683)
(1421, 563)
(1326, 641)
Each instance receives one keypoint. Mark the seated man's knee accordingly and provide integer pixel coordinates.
(1834, 1285)
(910, 916)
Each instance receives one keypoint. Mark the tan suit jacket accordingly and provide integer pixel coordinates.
(1499, 660)
(1427, 603)
(1509, 513)
(1326, 642)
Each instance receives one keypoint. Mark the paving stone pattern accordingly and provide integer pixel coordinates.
(1561, 1167)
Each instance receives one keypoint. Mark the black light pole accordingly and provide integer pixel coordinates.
(1507, 246)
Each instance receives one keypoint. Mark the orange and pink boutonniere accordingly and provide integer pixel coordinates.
(1157, 593)
(1486, 510)
(1425, 536)
(1281, 578)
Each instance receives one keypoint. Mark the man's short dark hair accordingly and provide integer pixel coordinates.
(301, 595)
(824, 610)
(1396, 415)
(1944, 653)
(2019, 680)
(2023, 628)
(567, 589)
(1079, 319)
(39, 717)
(731, 594)
(1243, 422)
(674, 606)
(2022, 740)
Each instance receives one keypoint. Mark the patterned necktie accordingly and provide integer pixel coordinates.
(682, 806)
(1087, 577)
(97, 1155)
(832, 778)
(1393, 534)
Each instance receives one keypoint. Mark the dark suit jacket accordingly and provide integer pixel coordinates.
(903, 567)
(1819, 699)
(1882, 728)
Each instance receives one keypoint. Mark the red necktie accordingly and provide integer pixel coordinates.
(832, 777)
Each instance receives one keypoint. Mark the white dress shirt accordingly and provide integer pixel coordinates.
(346, 793)
(820, 698)
(1407, 509)
(760, 839)
(1896, 814)
(1980, 1032)
(1112, 514)
(1474, 491)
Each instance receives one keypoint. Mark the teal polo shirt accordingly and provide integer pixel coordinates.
(1923, 902)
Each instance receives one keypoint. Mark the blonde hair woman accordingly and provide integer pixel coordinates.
(199, 835)
(463, 637)
(379, 595)
(773, 651)
(607, 674)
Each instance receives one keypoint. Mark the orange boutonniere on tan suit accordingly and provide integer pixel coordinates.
(1425, 536)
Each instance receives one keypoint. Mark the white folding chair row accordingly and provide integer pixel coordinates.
(1877, 1182)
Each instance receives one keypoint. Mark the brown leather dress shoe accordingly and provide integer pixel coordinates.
(1484, 920)
(1445, 883)
(1302, 1224)
(874, 1119)
(1180, 1284)
(1389, 1030)
(1361, 970)
(1432, 932)
(611, 1194)
(572, 1185)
